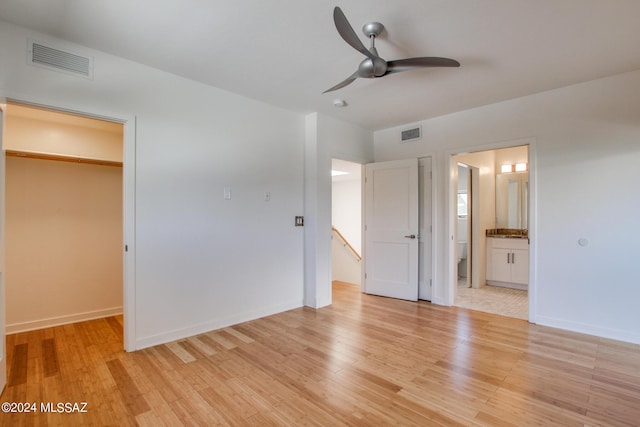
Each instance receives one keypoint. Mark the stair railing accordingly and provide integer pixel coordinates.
(345, 243)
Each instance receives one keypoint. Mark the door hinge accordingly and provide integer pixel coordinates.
(126, 248)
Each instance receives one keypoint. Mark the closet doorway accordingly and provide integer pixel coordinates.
(63, 218)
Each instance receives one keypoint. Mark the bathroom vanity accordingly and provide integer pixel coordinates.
(508, 261)
(508, 245)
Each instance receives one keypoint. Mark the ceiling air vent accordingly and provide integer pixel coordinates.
(60, 60)
(412, 134)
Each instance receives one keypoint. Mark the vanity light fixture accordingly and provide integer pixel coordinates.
(518, 167)
(506, 168)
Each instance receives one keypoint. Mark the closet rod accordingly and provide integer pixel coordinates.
(41, 156)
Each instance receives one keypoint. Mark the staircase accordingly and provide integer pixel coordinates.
(345, 260)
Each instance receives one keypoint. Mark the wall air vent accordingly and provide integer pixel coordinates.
(412, 134)
(42, 55)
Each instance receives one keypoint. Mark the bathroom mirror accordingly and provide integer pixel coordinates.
(512, 194)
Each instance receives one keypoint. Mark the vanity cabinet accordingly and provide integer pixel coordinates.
(508, 262)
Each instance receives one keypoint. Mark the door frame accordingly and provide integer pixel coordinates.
(128, 198)
(451, 211)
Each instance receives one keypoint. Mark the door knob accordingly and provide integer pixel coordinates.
(411, 236)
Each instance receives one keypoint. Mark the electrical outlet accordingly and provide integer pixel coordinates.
(227, 193)
(299, 221)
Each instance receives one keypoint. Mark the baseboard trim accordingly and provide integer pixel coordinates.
(33, 325)
(178, 334)
(520, 286)
(585, 328)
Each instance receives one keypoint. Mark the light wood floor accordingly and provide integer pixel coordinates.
(363, 361)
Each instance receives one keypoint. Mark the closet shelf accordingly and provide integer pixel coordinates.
(62, 158)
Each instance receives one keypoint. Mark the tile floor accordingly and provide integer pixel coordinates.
(493, 299)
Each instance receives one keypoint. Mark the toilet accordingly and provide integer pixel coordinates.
(462, 247)
(462, 256)
(462, 251)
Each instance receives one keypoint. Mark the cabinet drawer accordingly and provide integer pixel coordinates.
(507, 243)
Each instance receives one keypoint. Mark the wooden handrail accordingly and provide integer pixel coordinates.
(346, 243)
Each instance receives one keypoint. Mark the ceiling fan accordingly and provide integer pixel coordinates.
(373, 65)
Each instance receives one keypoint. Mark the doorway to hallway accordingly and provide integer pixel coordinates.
(346, 220)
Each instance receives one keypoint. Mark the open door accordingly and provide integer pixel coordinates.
(3, 339)
(391, 229)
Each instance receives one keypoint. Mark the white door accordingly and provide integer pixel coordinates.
(391, 229)
(425, 271)
(3, 342)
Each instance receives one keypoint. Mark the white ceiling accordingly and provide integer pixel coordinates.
(287, 52)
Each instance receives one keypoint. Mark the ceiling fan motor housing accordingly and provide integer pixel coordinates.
(372, 29)
(370, 68)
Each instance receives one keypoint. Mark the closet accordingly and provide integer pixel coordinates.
(63, 223)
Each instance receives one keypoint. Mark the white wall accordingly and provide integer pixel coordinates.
(326, 138)
(585, 156)
(346, 215)
(202, 262)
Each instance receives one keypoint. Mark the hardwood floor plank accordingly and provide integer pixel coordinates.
(236, 333)
(50, 357)
(201, 346)
(18, 371)
(180, 352)
(131, 396)
(362, 361)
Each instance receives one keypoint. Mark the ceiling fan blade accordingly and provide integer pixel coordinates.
(348, 34)
(343, 83)
(422, 62)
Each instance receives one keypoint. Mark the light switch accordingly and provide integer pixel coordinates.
(227, 193)
(267, 196)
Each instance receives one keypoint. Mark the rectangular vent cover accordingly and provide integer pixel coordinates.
(411, 134)
(45, 56)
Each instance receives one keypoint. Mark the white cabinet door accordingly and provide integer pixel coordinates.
(500, 265)
(507, 261)
(520, 266)
(391, 229)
